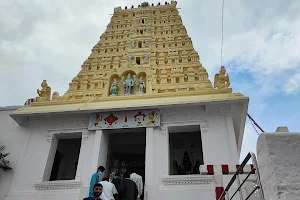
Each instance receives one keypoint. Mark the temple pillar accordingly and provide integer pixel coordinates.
(96, 150)
(150, 191)
(81, 155)
(149, 160)
(165, 150)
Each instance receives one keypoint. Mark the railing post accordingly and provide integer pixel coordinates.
(239, 188)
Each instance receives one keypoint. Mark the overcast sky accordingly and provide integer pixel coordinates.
(50, 39)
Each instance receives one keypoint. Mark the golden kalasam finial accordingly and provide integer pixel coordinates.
(221, 79)
(44, 93)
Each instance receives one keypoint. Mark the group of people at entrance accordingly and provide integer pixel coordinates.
(128, 188)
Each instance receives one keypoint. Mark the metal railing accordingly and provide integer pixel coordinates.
(254, 170)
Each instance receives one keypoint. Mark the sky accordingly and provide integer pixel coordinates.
(50, 39)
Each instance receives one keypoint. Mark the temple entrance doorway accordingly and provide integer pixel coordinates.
(126, 152)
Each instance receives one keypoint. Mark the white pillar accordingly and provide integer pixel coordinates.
(166, 150)
(102, 155)
(206, 145)
(96, 151)
(149, 164)
(81, 155)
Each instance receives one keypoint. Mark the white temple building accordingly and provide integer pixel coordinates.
(164, 108)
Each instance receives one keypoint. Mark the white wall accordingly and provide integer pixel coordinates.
(15, 139)
(29, 147)
(279, 164)
(218, 148)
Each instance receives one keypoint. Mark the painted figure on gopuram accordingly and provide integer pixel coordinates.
(128, 84)
(114, 88)
(141, 86)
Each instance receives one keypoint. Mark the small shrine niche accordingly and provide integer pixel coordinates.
(127, 84)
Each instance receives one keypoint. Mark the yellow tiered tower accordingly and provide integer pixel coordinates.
(144, 54)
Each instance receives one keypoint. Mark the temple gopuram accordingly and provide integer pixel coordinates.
(142, 103)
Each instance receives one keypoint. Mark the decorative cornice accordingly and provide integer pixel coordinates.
(57, 185)
(85, 135)
(163, 130)
(187, 180)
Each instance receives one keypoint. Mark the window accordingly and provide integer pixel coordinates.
(143, 21)
(140, 44)
(66, 150)
(138, 60)
(185, 149)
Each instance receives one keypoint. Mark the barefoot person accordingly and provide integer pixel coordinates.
(97, 191)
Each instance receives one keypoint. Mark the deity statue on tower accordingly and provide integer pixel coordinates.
(128, 84)
(44, 93)
(141, 86)
(114, 88)
(221, 79)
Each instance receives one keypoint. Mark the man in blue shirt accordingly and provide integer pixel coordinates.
(97, 190)
(95, 179)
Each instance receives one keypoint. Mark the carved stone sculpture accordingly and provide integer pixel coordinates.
(141, 86)
(55, 96)
(128, 84)
(129, 58)
(146, 43)
(132, 43)
(186, 163)
(44, 93)
(146, 57)
(114, 88)
(222, 79)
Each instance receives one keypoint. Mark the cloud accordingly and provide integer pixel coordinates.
(292, 86)
(51, 39)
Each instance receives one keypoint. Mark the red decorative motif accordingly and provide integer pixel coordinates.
(137, 118)
(110, 120)
(210, 169)
(225, 169)
(125, 120)
(219, 191)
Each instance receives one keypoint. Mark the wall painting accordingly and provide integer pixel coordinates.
(124, 119)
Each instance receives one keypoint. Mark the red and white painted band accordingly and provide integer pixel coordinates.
(224, 169)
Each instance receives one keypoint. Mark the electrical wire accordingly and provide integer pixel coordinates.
(222, 34)
(254, 127)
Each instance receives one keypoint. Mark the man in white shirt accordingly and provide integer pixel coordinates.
(109, 190)
(139, 183)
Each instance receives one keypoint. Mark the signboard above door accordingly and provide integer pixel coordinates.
(124, 119)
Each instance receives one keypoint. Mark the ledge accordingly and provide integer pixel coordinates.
(187, 180)
(130, 103)
(143, 97)
(57, 185)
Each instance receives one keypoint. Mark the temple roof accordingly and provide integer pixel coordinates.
(144, 54)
